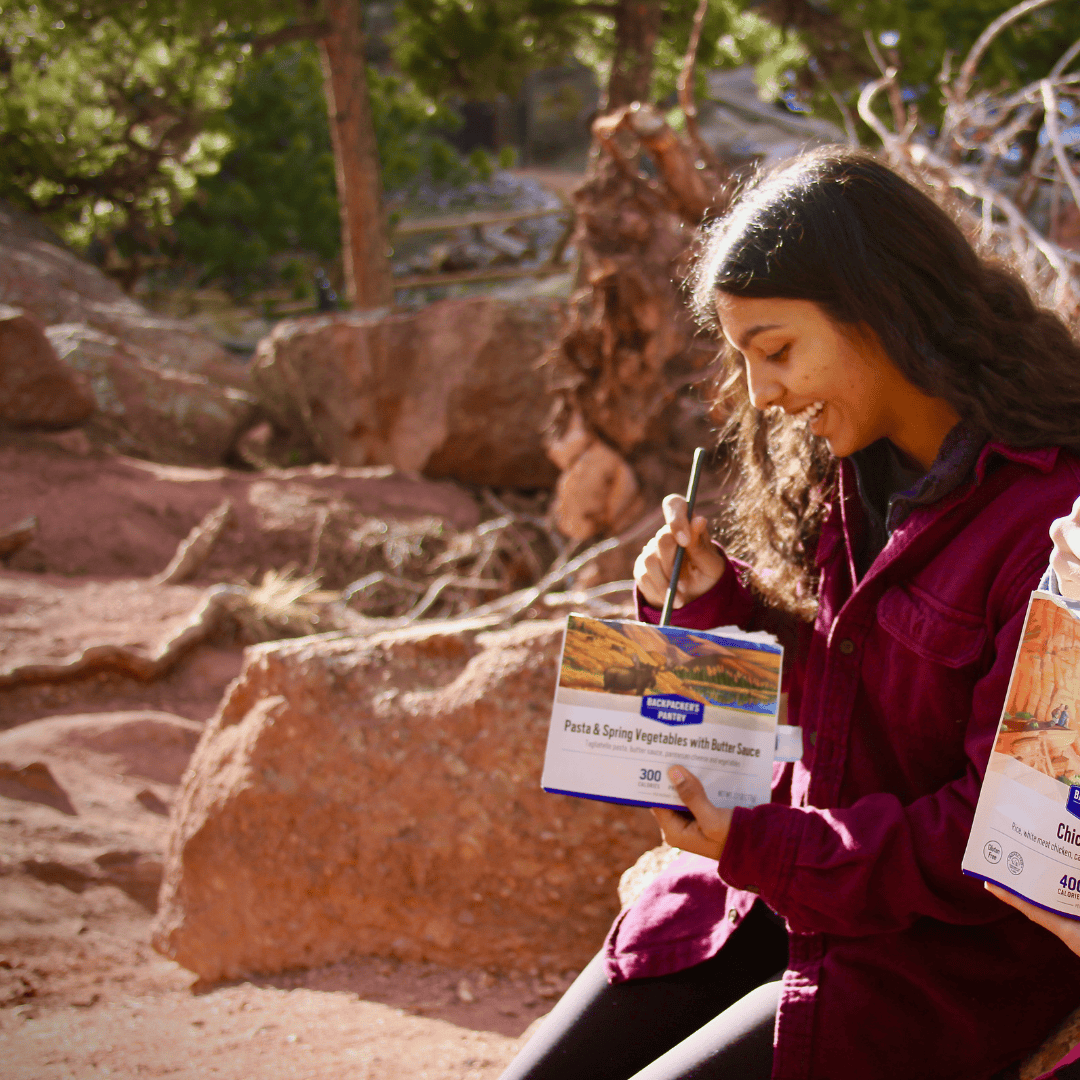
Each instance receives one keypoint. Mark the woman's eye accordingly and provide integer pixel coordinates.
(779, 354)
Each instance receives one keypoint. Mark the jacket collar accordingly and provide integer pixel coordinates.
(847, 522)
(1043, 458)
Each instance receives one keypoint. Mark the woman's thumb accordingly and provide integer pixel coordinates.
(689, 789)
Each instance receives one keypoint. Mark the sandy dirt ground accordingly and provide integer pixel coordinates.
(84, 804)
(84, 995)
(89, 766)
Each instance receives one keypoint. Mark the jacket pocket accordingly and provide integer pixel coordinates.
(931, 628)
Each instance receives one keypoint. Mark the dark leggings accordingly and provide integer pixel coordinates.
(713, 1021)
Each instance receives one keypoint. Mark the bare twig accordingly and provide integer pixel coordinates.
(380, 577)
(1053, 132)
(685, 86)
(889, 73)
(322, 517)
(842, 108)
(515, 603)
(1067, 57)
(869, 117)
(982, 42)
(440, 585)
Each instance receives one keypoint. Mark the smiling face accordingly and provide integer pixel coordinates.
(837, 379)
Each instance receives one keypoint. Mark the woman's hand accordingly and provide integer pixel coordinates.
(702, 567)
(1065, 562)
(1066, 929)
(707, 831)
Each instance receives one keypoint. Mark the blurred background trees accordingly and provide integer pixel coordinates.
(195, 133)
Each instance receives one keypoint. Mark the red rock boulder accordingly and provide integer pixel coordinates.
(37, 390)
(451, 390)
(163, 390)
(382, 797)
(148, 408)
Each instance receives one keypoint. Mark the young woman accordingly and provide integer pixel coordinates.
(905, 420)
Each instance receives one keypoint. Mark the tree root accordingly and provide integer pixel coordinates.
(195, 548)
(201, 625)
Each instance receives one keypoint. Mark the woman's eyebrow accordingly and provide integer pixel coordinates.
(754, 331)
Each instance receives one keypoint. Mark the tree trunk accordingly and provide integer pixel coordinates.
(364, 241)
(637, 24)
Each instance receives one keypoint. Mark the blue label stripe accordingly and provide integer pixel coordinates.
(613, 799)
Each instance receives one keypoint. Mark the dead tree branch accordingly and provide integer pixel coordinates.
(1004, 157)
(687, 102)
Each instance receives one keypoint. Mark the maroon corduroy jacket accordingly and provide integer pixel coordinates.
(900, 966)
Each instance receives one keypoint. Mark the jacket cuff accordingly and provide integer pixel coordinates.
(759, 855)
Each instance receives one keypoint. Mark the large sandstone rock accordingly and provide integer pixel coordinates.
(37, 390)
(126, 351)
(150, 409)
(451, 390)
(382, 796)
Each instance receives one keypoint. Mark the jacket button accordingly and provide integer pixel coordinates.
(733, 915)
(847, 646)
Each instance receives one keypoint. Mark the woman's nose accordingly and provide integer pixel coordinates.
(764, 388)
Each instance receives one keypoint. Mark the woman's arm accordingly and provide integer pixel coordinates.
(877, 865)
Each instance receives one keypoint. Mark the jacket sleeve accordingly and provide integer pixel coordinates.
(879, 865)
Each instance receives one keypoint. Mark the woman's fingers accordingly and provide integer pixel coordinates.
(1065, 561)
(649, 574)
(706, 832)
(676, 519)
(1067, 570)
(703, 564)
(692, 792)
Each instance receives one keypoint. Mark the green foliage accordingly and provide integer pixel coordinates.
(275, 191)
(481, 48)
(103, 116)
(918, 35)
(733, 34)
(409, 129)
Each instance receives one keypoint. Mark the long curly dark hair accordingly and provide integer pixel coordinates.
(844, 231)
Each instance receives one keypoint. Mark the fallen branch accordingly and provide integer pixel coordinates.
(1053, 131)
(982, 42)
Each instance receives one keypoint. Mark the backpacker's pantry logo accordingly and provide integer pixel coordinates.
(1072, 804)
(672, 709)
